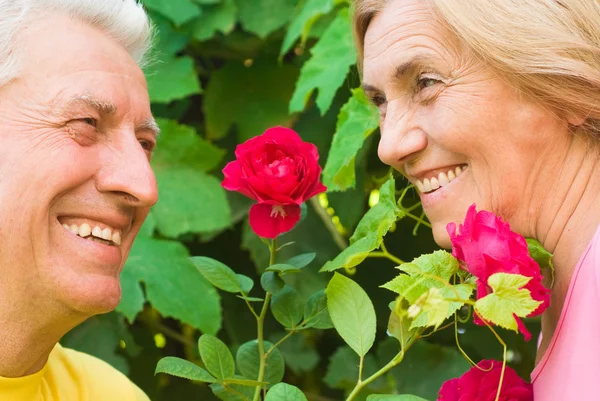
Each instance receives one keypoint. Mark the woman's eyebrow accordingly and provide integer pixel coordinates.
(416, 62)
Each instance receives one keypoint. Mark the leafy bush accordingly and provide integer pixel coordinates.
(224, 71)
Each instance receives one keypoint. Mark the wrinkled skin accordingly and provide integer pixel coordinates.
(64, 158)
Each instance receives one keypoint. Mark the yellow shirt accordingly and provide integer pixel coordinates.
(71, 376)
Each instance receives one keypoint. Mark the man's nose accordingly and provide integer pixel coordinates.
(401, 136)
(126, 170)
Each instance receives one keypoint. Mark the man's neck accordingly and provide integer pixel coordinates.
(28, 336)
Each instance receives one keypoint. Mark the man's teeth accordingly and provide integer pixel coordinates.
(86, 231)
(443, 179)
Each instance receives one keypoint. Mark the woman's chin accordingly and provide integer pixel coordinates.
(440, 235)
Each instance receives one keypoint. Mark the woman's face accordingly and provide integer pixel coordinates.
(458, 131)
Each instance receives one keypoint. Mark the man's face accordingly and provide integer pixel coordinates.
(76, 135)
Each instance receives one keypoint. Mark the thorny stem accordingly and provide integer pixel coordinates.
(234, 391)
(260, 326)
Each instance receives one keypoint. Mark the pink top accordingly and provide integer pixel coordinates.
(569, 369)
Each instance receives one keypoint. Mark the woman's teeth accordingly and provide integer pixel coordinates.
(443, 179)
(107, 235)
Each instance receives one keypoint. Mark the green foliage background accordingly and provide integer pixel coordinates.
(223, 72)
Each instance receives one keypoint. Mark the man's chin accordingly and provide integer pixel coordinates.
(93, 297)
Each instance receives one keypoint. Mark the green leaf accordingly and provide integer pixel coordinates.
(405, 397)
(342, 370)
(316, 313)
(352, 313)
(425, 367)
(183, 368)
(220, 275)
(287, 307)
(268, 85)
(436, 308)
(399, 324)
(172, 79)
(538, 253)
(301, 261)
(173, 285)
(271, 282)
(380, 218)
(262, 17)
(251, 299)
(357, 120)
(246, 283)
(244, 382)
(326, 70)
(225, 395)
(283, 268)
(509, 298)
(354, 254)
(305, 16)
(285, 392)
(191, 201)
(248, 359)
(180, 145)
(168, 40)
(179, 12)
(215, 18)
(298, 351)
(216, 357)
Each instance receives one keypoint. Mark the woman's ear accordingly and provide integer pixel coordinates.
(576, 120)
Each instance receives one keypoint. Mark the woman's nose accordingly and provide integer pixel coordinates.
(401, 137)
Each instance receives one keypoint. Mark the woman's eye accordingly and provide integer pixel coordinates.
(424, 82)
(147, 145)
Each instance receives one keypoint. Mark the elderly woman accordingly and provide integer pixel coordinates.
(76, 135)
(497, 102)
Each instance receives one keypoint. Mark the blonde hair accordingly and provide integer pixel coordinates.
(550, 49)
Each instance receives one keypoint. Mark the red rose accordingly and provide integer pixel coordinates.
(487, 246)
(278, 170)
(481, 382)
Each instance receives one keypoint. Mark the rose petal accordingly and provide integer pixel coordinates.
(268, 221)
(522, 328)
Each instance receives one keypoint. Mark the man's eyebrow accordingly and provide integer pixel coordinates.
(100, 105)
(150, 125)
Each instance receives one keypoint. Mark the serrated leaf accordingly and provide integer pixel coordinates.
(179, 12)
(218, 274)
(182, 79)
(354, 254)
(405, 397)
(169, 277)
(316, 313)
(266, 83)
(380, 218)
(357, 120)
(352, 313)
(283, 268)
(508, 298)
(287, 307)
(305, 16)
(285, 392)
(248, 358)
(436, 309)
(262, 17)
(271, 282)
(215, 18)
(216, 357)
(326, 70)
(180, 145)
(244, 382)
(183, 368)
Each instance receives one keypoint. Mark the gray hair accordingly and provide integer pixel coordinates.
(123, 20)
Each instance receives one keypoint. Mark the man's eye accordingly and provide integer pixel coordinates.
(378, 100)
(147, 145)
(90, 121)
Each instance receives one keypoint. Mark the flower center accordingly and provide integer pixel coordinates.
(277, 211)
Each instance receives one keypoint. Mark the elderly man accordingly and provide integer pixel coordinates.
(76, 135)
